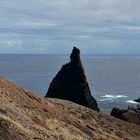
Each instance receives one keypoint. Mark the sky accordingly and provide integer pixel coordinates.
(55, 26)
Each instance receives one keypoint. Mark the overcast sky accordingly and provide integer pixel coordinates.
(55, 26)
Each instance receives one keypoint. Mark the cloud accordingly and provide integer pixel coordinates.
(11, 44)
(86, 23)
(15, 44)
(128, 28)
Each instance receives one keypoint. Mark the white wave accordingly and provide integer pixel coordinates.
(107, 96)
(101, 100)
(132, 102)
(121, 96)
(111, 97)
(114, 96)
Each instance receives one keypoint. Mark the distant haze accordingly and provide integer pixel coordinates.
(55, 26)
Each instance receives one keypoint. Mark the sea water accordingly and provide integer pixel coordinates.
(114, 80)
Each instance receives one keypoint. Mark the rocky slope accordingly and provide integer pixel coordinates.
(24, 116)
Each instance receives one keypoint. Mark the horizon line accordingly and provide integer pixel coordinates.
(68, 54)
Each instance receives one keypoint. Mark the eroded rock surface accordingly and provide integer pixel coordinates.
(24, 116)
(71, 84)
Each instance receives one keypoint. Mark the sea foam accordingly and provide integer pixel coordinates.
(111, 97)
(132, 102)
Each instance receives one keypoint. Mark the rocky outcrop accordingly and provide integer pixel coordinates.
(137, 100)
(70, 83)
(130, 115)
(24, 116)
(116, 112)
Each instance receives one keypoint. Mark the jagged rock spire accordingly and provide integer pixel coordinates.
(75, 55)
(70, 83)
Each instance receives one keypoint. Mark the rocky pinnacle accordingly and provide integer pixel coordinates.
(71, 84)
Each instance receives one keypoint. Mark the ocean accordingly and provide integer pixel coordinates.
(114, 80)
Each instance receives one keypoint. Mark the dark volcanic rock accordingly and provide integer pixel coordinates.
(130, 115)
(70, 83)
(118, 113)
(138, 100)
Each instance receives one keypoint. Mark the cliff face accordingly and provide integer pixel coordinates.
(24, 116)
(70, 83)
